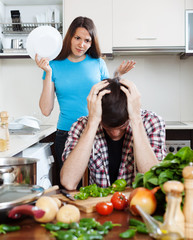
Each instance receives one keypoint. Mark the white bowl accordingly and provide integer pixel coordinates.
(46, 41)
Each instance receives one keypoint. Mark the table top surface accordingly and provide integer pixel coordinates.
(32, 230)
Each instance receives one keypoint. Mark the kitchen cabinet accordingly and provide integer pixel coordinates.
(150, 23)
(189, 4)
(99, 11)
(32, 14)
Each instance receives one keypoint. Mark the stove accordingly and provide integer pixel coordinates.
(174, 146)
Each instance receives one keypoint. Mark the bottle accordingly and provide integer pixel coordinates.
(4, 132)
(174, 218)
(187, 173)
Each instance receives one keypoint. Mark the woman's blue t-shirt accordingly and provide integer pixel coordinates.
(73, 82)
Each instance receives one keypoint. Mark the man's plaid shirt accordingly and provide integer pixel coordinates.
(98, 163)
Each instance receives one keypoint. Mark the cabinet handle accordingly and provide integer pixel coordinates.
(146, 38)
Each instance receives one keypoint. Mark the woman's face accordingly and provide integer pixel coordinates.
(80, 43)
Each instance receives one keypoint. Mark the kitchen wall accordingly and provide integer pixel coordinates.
(165, 83)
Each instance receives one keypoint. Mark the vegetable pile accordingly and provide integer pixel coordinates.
(169, 169)
(94, 191)
(87, 228)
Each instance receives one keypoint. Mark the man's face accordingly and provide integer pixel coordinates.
(116, 133)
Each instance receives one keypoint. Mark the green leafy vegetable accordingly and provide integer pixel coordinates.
(169, 169)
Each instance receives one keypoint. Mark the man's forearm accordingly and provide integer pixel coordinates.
(77, 161)
(144, 155)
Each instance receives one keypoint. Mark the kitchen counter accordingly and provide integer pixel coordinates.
(177, 125)
(31, 230)
(18, 143)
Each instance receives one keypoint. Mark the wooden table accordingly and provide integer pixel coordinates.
(31, 230)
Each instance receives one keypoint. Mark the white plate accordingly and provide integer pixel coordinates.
(24, 121)
(46, 41)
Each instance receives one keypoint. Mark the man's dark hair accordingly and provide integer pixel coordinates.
(114, 105)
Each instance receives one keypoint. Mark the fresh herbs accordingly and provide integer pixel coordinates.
(169, 169)
(94, 191)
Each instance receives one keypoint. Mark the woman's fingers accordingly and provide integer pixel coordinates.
(125, 67)
(43, 63)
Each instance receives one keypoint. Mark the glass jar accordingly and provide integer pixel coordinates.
(4, 132)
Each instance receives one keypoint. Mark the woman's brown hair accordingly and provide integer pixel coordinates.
(84, 22)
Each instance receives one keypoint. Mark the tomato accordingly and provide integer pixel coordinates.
(119, 201)
(104, 208)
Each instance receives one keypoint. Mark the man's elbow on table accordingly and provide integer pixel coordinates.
(67, 182)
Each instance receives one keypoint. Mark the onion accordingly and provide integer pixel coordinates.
(145, 198)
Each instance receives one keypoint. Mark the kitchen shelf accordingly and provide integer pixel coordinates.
(26, 28)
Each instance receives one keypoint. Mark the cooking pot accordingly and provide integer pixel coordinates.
(18, 170)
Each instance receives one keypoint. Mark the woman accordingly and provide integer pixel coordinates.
(71, 76)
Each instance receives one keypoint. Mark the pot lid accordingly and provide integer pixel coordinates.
(12, 195)
(15, 161)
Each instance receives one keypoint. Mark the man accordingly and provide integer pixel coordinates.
(115, 140)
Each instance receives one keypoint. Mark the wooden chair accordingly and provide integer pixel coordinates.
(85, 178)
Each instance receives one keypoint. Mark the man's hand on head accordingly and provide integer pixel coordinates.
(94, 101)
(133, 98)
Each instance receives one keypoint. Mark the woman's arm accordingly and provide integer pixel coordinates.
(47, 97)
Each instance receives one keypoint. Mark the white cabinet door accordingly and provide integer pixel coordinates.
(189, 4)
(100, 11)
(148, 23)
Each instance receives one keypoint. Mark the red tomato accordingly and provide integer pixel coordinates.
(119, 201)
(104, 208)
